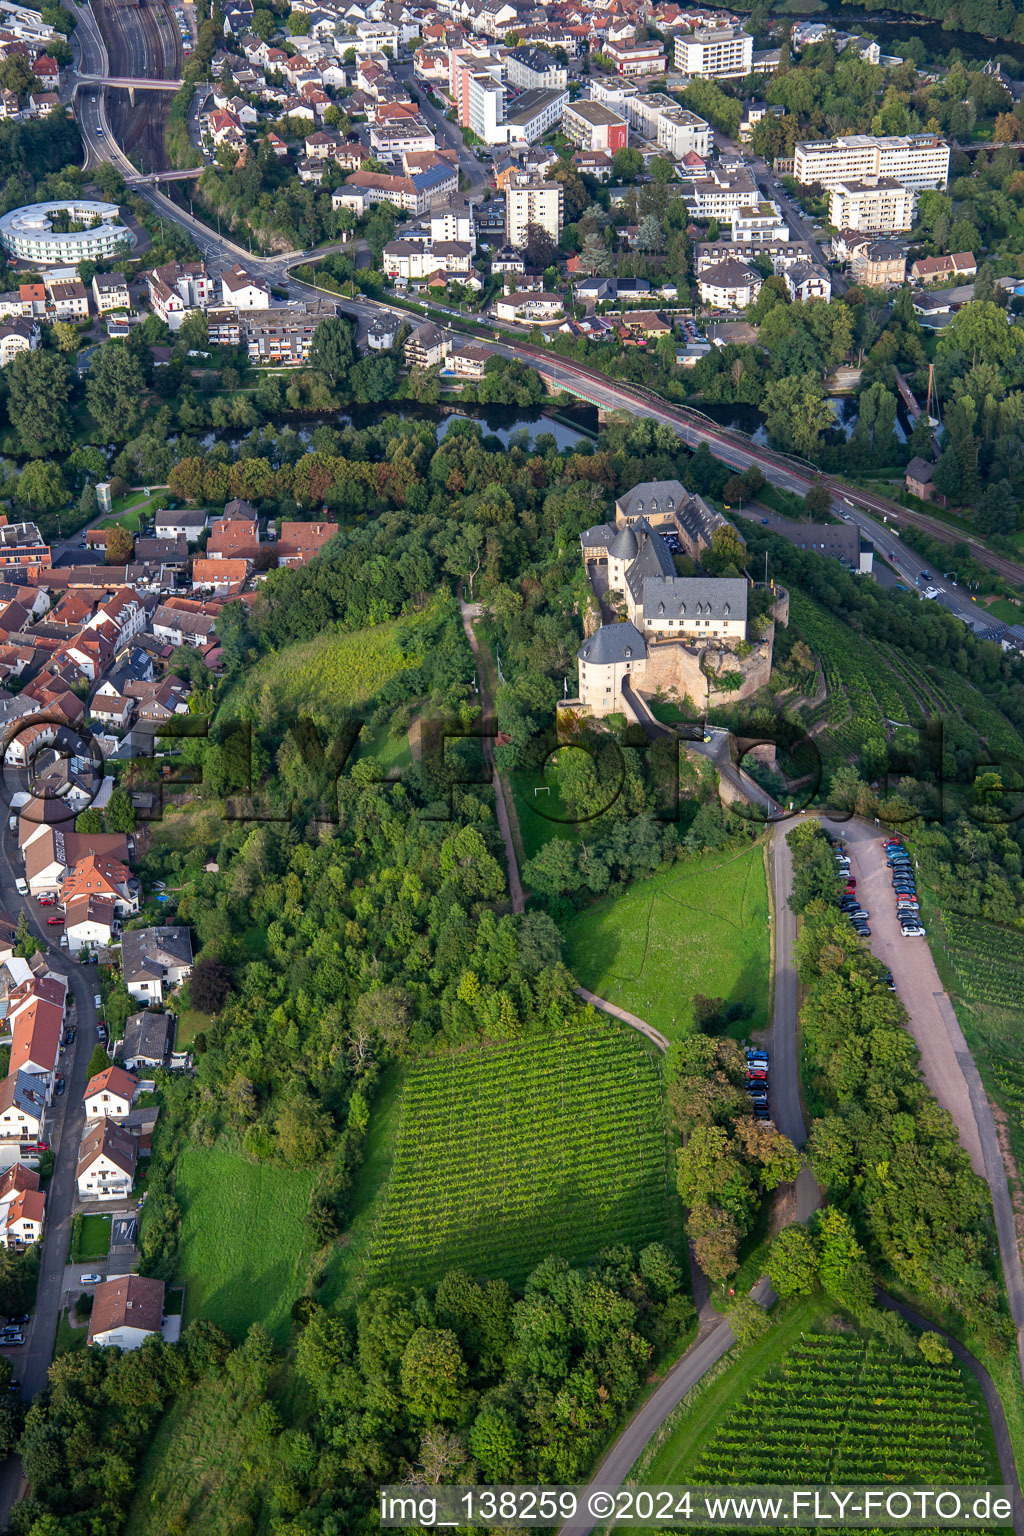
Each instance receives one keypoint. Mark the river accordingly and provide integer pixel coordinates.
(891, 30)
(572, 424)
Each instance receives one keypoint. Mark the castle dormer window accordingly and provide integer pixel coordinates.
(671, 502)
(654, 506)
(725, 611)
(628, 651)
(639, 506)
(682, 607)
(661, 607)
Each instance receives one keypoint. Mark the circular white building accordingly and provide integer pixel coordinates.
(96, 231)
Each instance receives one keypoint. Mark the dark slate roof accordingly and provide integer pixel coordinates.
(652, 496)
(695, 597)
(624, 546)
(613, 643)
(147, 1035)
(702, 521)
(654, 559)
(598, 537)
(920, 470)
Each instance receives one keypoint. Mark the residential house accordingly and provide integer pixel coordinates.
(22, 1207)
(22, 1107)
(126, 1311)
(529, 308)
(178, 624)
(219, 575)
(938, 269)
(148, 1040)
(298, 543)
(233, 538)
(90, 923)
(110, 1095)
(110, 292)
(919, 479)
(106, 1162)
(729, 285)
(182, 524)
(426, 346)
(807, 281)
(154, 960)
(878, 264)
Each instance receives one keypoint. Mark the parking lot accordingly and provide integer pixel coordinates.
(932, 1020)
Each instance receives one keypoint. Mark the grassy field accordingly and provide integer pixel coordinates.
(504, 1155)
(243, 1243)
(206, 1469)
(702, 927)
(345, 669)
(813, 1402)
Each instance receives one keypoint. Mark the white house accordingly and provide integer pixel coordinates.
(22, 1107)
(110, 1095)
(106, 1162)
(153, 959)
(729, 285)
(126, 1311)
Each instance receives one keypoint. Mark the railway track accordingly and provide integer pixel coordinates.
(143, 42)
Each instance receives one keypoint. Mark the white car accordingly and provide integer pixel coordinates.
(90, 1279)
(98, 1001)
(21, 887)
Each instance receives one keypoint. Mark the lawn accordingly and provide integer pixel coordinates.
(1002, 608)
(90, 1238)
(390, 752)
(506, 1154)
(190, 1023)
(815, 1401)
(69, 1336)
(346, 669)
(244, 1247)
(701, 927)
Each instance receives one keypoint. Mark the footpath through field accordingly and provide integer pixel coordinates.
(471, 611)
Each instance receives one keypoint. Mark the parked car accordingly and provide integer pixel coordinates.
(755, 1055)
(61, 1086)
(11, 1340)
(21, 887)
(47, 901)
(15, 1322)
(97, 1001)
(101, 1031)
(54, 922)
(90, 1279)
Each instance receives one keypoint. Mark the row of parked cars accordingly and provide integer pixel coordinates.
(849, 902)
(757, 1082)
(904, 884)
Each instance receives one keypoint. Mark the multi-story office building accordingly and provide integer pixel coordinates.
(759, 224)
(486, 107)
(914, 160)
(879, 206)
(637, 58)
(715, 53)
(533, 114)
(532, 202)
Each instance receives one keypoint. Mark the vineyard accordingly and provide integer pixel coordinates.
(506, 1155)
(864, 689)
(987, 961)
(843, 1410)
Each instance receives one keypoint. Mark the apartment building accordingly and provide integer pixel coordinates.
(590, 125)
(715, 53)
(533, 202)
(759, 224)
(533, 114)
(485, 106)
(681, 133)
(724, 192)
(914, 160)
(283, 335)
(534, 69)
(878, 206)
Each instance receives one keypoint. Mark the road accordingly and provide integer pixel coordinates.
(66, 1120)
(910, 568)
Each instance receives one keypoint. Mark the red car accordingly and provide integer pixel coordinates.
(47, 901)
(53, 922)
